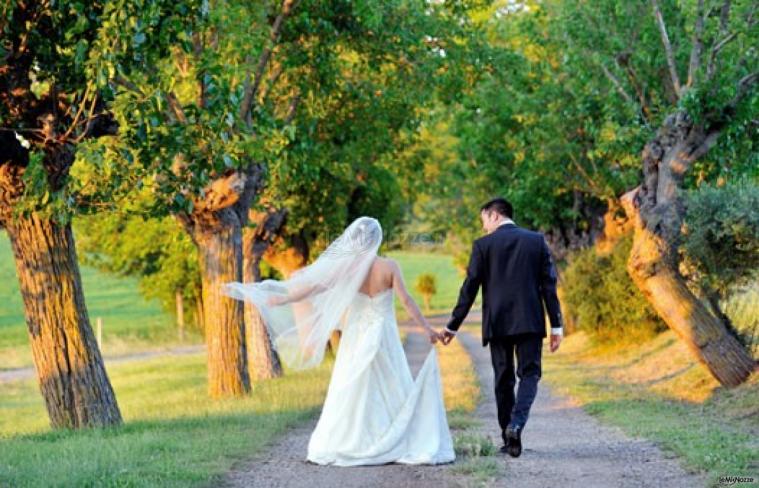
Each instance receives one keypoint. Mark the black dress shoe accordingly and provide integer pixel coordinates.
(514, 440)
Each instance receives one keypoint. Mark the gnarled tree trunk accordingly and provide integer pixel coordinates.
(70, 370)
(219, 251)
(215, 226)
(656, 209)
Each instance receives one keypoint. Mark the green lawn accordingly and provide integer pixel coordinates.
(414, 263)
(173, 434)
(130, 322)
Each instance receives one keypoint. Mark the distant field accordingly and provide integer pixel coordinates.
(130, 323)
(414, 263)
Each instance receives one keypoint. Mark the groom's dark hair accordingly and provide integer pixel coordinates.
(500, 205)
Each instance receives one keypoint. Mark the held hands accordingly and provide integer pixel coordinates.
(446, 337)
(433, 335)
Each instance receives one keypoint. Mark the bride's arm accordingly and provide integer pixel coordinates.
(408, 302)
(297, 295)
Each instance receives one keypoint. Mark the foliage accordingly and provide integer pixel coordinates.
(157, 251)
(603, 299)
(559, 125)
(721, 241)
(426, 284)
(53, 101)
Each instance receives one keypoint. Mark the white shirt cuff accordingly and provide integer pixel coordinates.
(450, 331)
(557, 331)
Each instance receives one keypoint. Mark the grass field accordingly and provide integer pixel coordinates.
(173, 434)
(441, 266)
(130, 323)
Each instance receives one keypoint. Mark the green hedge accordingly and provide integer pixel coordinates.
(603, 300)
(721, 235)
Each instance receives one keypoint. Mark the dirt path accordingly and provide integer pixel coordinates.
(566, 447)
(284, 465)
(26, 373)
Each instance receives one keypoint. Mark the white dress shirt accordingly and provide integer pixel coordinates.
(554, 330)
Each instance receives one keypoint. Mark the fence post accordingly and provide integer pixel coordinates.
(99, 323)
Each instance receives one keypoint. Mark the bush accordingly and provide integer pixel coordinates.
(721, 235)
(602, 298)
(426, 285)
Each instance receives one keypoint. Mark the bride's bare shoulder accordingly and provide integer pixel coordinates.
(388, 265)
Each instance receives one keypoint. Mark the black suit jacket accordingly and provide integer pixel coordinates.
(518, 276)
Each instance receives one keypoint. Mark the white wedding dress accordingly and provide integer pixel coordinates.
(375, 411)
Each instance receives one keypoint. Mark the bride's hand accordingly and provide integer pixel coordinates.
(274, 301)
(433, 335)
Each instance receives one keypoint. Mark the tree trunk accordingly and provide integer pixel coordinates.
(215, 226)
(70, 369)
(706, 336)
(220, 262)
(263, 360)
(656, 210)
(334, 341)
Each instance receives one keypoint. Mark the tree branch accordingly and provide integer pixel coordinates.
(724, 17)
(253, 80)
(197, 49)
(667, 48)
(615, 81)
(292, 109)
(272, 82)
(722, 117)
(81, 109)
(744, 85)
(698, 45)
(176, 107)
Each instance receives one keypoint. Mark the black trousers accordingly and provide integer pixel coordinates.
(512, 408)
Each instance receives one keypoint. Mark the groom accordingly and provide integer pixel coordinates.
(518, 277)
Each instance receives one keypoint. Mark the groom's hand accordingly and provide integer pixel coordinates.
(555, 341)
(447, 337)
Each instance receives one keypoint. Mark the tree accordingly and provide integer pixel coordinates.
(224, 109)
(51, 104)
(191, 109)
(597, 83)
(426, 286)
(715, 95)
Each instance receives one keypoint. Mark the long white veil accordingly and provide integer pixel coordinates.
(314, 298)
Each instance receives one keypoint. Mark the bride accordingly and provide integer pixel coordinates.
(375, 412)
